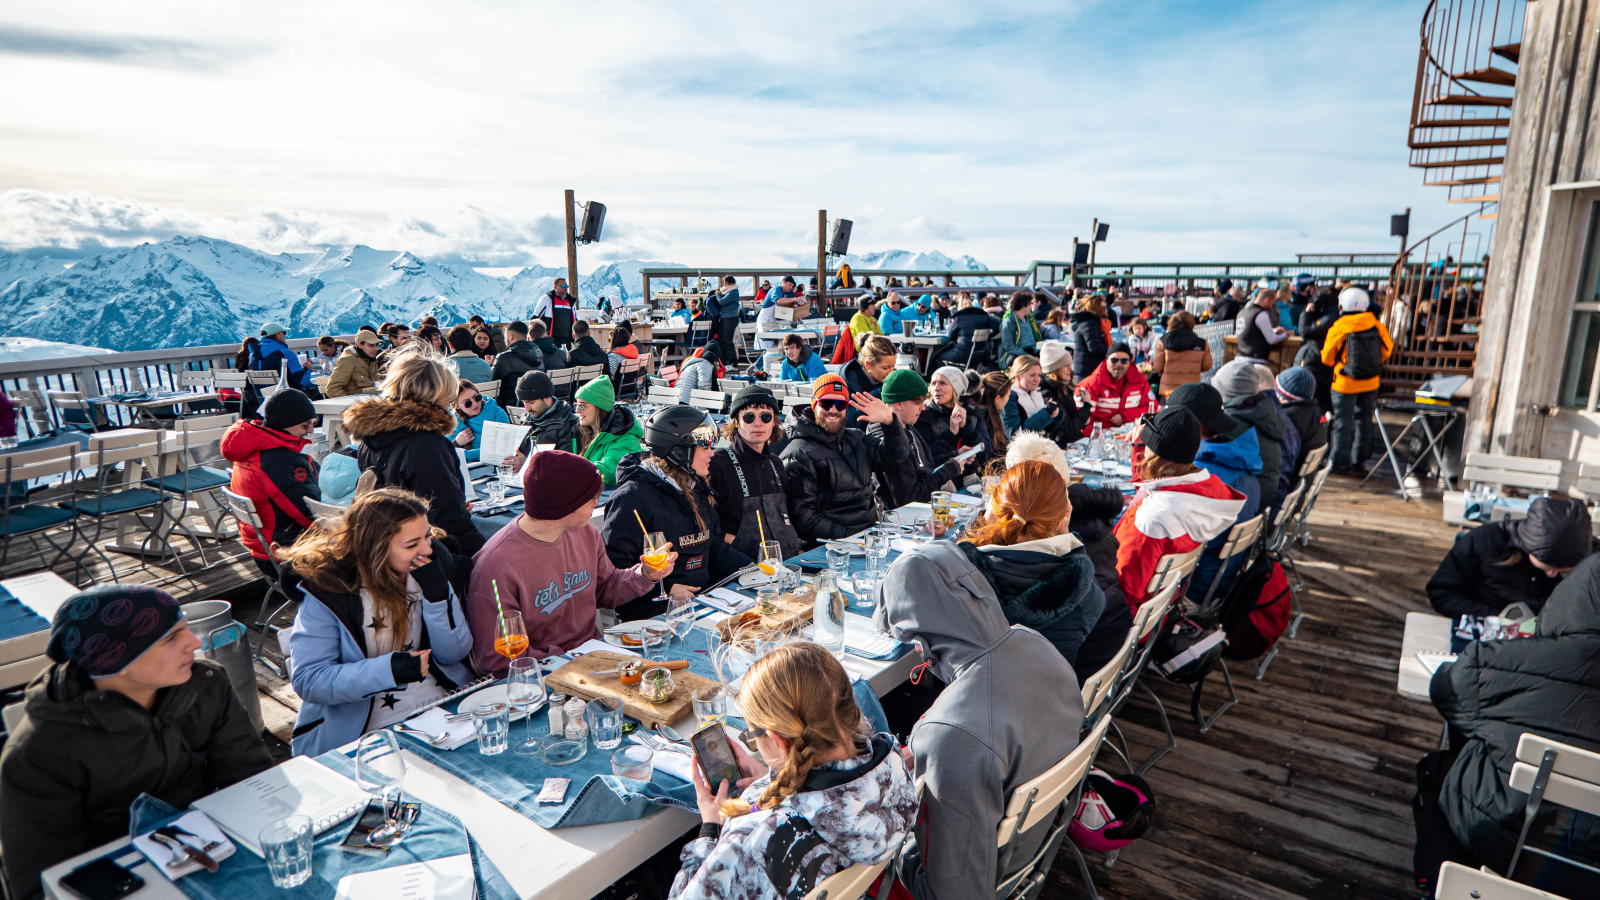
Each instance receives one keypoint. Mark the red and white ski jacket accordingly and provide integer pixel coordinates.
(1170, 515)
(1131, 397)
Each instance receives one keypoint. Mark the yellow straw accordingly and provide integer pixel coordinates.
(760, 527)
(641, 523)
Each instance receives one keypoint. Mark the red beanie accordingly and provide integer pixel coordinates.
(556, 483)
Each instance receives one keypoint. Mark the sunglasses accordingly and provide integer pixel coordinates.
(834, 405)
(473, 400)
(1119, 360)
(749, 738)
(749, 418)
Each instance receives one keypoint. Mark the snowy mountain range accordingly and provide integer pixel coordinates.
(190, 291)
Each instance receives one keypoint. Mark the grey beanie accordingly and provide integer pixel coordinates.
(1238, 378)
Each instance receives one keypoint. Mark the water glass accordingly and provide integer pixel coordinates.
(839, 559)
(556, 749)
(633, 761)
(496, 491)
(381, 771)
(524, 684)
(506, 475)
(492, 722)
(286, 844)
(680, 616)
(605, 722)
(710, 705)
(656, 635)
(877, 542)
(866, 589)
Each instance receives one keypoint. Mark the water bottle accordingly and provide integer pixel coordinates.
(827, 615)
(1097, 442)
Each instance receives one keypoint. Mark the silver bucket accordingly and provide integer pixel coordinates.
(225, 641)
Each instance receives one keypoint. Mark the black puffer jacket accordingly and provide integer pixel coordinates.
(554, 356)
(1471, 581)
(1259, 410)
(586, 352)
(558, 425)
(1496, 691)
(642, 490)
(958, 338)
(1307, 421)
(1047, 585)
(922, 474)
(933, 424)
(1094, 510)
(408, 444)
(1088, 343)
(830, 476)
(516, 360)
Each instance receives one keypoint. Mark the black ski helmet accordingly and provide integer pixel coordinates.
(670, 434)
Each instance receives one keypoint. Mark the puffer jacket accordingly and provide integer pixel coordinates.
(558, 425)
(1181, 357)
(586, 352)
(933, 424)
(489, 412)
(82, 755)
(1237, 462)
(353, 373)
(1089, 347)
(1472, 580)
(921, 475)
(848, 812)
(516, 360)
(1094, 516)
(1128, 397)
(1170, 515)
(830, 476)
(645, 493)
(698, 374)
(1496, 691)
(554, 356)
(1261, 411)
(1307, 421)
(1047, 585)
(620, 434)
(1017, 337)
(958, 338)
(406, 443)
(269, 468)
(809, 368)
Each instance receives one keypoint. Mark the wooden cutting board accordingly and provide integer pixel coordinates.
(575, 679)
(793, 614)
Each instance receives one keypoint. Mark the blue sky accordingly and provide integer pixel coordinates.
(713, 131)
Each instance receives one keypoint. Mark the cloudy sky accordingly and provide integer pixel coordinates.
(713, 131)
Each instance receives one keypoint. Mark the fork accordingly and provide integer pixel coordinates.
(431, 740)
(657, 743)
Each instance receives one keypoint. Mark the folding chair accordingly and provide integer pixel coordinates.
(1566, 776)
(320, 510)
(699, 333)
(851, 883)
(1099, 687)
(74, 412)
(34, 410)
(732, 385)
(1457, 882)
(586, 374)
(244, 512)
(1241, 542)
(487, 388)
(109, 501)
(661, 396)
(1052, 796)
(564, 381)
(710, 401)
(830, 340)
(202, 469)
(1147, 624)
(236, 382)
(628, 377)
(980, 340)
(19, 518)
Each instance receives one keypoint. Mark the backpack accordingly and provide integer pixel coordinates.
(1114, 811)
(1363, 354)
(1188, 652)
(1257, 611)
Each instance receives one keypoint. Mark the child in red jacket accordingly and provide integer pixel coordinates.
(270, 469)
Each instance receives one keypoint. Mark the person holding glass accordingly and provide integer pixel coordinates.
(381, 631)
(747, 476)
(666, 491)
(550, 567)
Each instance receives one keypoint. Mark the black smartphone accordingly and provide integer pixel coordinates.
(716, 759)
(101, 879)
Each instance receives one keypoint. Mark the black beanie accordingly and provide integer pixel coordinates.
(288, 408)
(754, 395)
(534, 385)
(1172, 434)
(105, 628)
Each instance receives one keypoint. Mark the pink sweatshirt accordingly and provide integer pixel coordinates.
(555, 586)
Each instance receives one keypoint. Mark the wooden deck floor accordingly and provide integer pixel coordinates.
(1303, 789)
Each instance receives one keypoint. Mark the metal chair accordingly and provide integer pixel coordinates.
(320, 510)
(661, 396)
(202, 470)
(74, 412)
(1457, 882)
(564, 381)
(1099, 687)
(1051, 797)
(244, 512)
(1560, 773)
(851, 883)
(699, 333)
(586, 374)
(710, 401)
(1147, 626)
(1242, 541)
(109, 501)
(34, 411)
(19, 518)
(980, 338)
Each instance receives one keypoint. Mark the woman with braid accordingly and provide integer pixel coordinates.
(835, 796)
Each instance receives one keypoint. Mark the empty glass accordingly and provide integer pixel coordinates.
(605, 722)
(866, 589)
(556, 749)
(381, 770)
(680, 616)
(710, 705)
(633, 761)
(506, 475)
(525, 691)
(877, 541)
(655, 635)
(286, 844)
(492, 722)
(496, 491)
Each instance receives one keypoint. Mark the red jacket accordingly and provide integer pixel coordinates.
(1170, 515)
(269, 468)
(1131, 397)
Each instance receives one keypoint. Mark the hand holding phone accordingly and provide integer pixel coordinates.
(715, 757)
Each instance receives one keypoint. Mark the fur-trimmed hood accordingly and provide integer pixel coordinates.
(373, 417)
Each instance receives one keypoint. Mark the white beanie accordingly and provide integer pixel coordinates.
(956, 377)
(1053, 355)
(1028, 445)
(1354, 299)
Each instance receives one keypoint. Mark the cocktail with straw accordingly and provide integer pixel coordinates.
(655, 550)
(511, 637)
(770, 559)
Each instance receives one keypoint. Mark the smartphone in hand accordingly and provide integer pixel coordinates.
(715, 757)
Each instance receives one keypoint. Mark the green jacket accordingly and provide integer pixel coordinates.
(620, 435)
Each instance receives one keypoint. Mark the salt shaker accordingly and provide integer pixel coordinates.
(558, 715)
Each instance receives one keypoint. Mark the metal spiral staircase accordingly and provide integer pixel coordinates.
(1461, 109)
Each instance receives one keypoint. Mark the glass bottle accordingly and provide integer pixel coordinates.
(827, 614)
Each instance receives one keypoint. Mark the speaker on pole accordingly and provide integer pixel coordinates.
(1400, 226)
(594, 219)
(1080, 254)
(1101, 232)
(840, 245)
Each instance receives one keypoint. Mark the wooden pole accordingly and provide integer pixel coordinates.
(1094, 244)
(822, 259)
(572, 254)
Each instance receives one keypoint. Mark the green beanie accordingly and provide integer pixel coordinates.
(904, 384)
(599, 393)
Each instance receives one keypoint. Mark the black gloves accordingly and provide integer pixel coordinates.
(406, 667)
(431, 578)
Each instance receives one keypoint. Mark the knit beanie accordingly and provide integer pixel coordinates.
(1238, 378)
(754, 395)
(1354, 299)
(534, 385)
(830, 387)
(712, 353)
(1053, 355)
(599, 393)
(1172, 434)
(903, 384)
(1296, 384)
(105, 628)
(557, 482)
(1119, 347)
(288, 408)
(956, 377)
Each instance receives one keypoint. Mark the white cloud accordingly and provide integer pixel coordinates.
(924, 228)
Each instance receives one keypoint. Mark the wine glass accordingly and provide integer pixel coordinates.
(655, 555)
(510, 637)
(381, 770)
(770, 561)
(680, 615)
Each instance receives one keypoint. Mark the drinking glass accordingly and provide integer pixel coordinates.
(633, 761)
(605, 722)
(510, 637)
(525, 691)
(866, 589)
(286, 844)
(656, 635)
(506, 475)
(771, 562)
(381, 770)
(877, 541)
(839, 560)
(492, 722)
(556, 749)
(680, 616)
(767, 597)
(991, 485)
(655, 556)
(497, 492)
(710, 705)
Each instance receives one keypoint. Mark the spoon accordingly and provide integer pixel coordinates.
(419, 733)
(668, 733)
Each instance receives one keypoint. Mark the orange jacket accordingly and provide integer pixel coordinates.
(1333, 351)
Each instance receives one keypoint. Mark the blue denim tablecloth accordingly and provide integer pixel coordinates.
(436, 834)
(16, 619)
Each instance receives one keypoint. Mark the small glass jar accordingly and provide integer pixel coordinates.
(657, 685)
(631, 672)
(557, 715)
(577, 728)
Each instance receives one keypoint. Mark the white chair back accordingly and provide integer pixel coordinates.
(1173, 568)
(710, 401)
(234, 381)
(12, 716)
(587, 374)
(661, 396)
(1516, 471)
(1574, 773)
(850, 884)
(195, 381)
(1097, 687)
(322, 510)
(1036, 799)
(244, 511)
(1457, 882)
(487, 388)
(1313, 460)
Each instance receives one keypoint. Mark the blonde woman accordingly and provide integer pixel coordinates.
(404, 439)
(829, 796)
(875, 358)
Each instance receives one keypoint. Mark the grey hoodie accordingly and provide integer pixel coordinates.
(1011, 709)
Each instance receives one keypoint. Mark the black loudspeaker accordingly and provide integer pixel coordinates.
(594, 219)
(1400, 226)
(1080, 254)
(1101, 232)
(840, 245)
